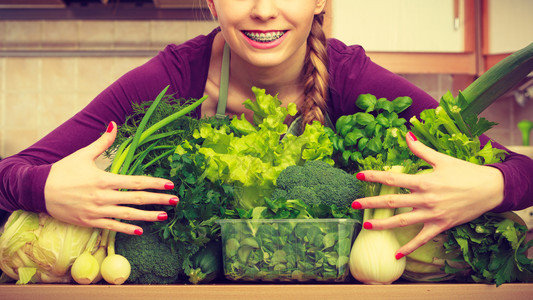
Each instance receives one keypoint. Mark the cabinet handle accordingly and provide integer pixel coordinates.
(456, 20)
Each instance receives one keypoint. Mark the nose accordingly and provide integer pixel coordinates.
(264, 10)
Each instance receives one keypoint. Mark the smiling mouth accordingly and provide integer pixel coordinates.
(264, 37)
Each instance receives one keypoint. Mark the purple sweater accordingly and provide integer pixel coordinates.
(184, 67)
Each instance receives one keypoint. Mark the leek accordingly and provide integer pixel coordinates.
(498, 80)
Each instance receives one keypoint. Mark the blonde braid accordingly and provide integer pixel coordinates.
(315, 75)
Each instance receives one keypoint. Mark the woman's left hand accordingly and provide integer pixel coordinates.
(455, 192)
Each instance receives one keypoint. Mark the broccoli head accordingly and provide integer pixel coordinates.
(152, 260)
(317, 182)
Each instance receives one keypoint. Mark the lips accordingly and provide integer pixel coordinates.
(264, 37)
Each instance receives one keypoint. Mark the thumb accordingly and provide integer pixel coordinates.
(424, 152)
(95, 149)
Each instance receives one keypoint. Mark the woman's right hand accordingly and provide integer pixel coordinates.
(78, 192)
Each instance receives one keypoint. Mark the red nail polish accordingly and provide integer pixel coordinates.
(109, 127)
(367, 225)
(173, 201)
(169, 186)
(399, 255)
(162, 216)
(356, 205)
(360, 176)
(412, 136)
(138, 231)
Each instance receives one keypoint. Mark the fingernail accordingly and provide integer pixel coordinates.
(399, 255)
(162, 216)
(169, 186)
(356, 205)
(412, 136)
(360, 176)
(138, 232)
(109, 127)
(367, 225)
(174, 201)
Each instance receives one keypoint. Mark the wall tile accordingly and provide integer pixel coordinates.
(60, 35)
(21, 110)
(83, 98)
(94, 73)
(17, 140)
(163, 33)
(54, 109)
(122, 65)
(96, 35)
(196, 28)
(23, 35)
(2, 73)
(131, 35)
(22, 74)
(59, 74)
(2, 34)
(2, 107)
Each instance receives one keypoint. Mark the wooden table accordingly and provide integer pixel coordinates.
(408, 291)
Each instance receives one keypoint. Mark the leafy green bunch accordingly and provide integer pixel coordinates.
(494, 247)
(447, 130)
(377, 131)
(374, 139)
(250, 156)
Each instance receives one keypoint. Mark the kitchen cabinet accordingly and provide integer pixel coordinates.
(507, 27)
(410, 36)
(459, 37)
(401, 26)
(406, 291)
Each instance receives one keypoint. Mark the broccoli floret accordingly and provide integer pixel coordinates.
(317, 182)
(152, 260)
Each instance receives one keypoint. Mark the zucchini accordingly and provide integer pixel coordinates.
(206, 263)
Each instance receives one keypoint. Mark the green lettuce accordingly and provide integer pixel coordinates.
(251, 155)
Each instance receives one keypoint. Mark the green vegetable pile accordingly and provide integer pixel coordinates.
(490, 249)
(220, 168)
(493, 245)
(287, 250)
(191, 224)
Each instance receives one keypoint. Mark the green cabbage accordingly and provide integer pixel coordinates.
(38, 248)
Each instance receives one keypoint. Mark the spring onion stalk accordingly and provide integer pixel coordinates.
(124, 156)
(115, 268)
(101, 254)
(372, 258)
(86, 268)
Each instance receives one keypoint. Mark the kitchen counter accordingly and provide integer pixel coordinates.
(410, 291)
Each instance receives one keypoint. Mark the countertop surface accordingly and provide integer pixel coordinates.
(268, 291)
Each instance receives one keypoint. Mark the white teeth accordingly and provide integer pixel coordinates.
(264, 37)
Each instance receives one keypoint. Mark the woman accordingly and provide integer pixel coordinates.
(278, 46)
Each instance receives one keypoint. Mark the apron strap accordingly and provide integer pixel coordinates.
(224, 84)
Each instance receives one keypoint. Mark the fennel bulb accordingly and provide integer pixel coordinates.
(372, 258)
(373, 255)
